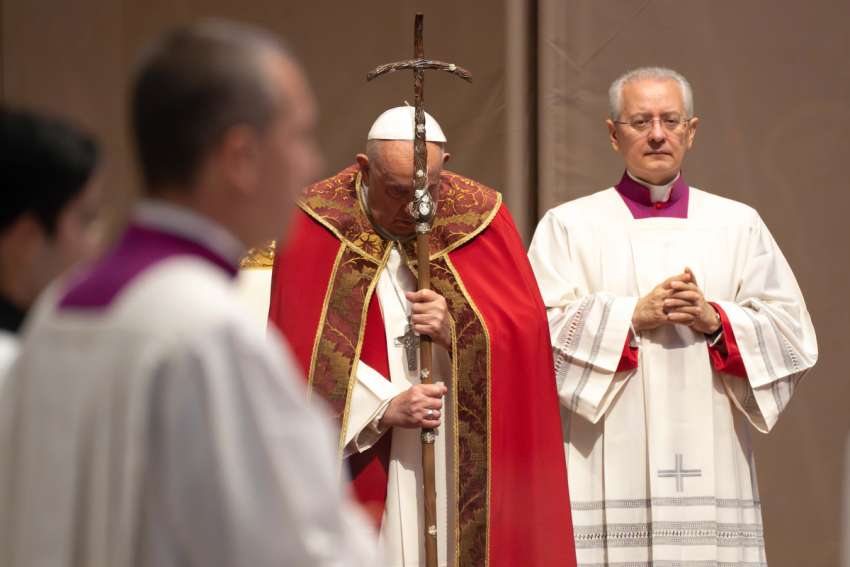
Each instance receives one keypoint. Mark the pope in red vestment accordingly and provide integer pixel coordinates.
(510, 496)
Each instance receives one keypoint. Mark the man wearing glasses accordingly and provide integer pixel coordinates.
(675, 321)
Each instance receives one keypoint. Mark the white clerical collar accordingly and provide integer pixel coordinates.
(183, 221)
(657, 193)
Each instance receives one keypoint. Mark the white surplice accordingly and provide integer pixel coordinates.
(167, 430)
(402, 524)
(253, 287)
(8, 354)
(660, 462)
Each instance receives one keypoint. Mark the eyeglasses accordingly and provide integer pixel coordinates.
(672, 124)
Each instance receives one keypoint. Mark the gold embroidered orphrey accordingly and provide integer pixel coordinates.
(465, 208)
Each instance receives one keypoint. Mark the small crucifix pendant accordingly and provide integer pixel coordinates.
(410, 341)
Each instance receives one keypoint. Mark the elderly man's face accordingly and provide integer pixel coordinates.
(654, 155)
(388, 172)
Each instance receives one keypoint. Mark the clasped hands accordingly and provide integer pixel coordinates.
(421, 404)
(678, 300)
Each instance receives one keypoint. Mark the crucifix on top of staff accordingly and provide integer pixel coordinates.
(422, 209)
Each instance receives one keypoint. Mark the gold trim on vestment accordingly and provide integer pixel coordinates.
(455, 444)
(264, 257)
(469, 365)
(322, 317)
(259, 258)
(318, 218)
(357, 189)
(362, 332)
(487, 220)
(480, 317)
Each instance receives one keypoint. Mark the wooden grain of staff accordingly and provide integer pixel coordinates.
(423, 209)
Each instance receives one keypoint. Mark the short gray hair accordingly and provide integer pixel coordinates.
(615, 92)
(190, 86)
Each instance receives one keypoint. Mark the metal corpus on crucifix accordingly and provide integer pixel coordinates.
(422, 209)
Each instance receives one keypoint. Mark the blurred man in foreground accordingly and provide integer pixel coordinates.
(148, 421)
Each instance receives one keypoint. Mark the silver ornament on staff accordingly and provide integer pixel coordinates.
(422, 209)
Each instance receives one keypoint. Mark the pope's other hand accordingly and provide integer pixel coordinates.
(418, 406)
(430, 316)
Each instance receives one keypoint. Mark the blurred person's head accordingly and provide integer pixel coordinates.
(224, 122)
(50, 201)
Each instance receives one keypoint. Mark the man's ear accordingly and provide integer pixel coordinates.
(612, 134)
(239, 155)
(363, 162)
(692, 131)
(446, 157)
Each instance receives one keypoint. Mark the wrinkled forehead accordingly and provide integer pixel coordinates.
(393, 160)
(652, 95)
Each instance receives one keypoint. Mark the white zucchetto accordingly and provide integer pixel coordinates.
(398, 124)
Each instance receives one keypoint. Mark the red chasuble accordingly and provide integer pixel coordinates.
(512, 497)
